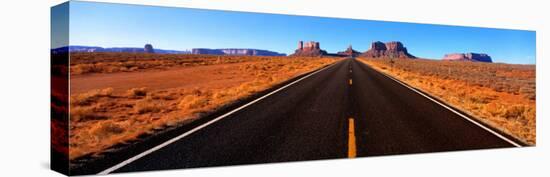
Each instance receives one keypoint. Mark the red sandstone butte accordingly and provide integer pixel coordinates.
(309, 49)
(394, 49)
(349, 52)
(476, 57)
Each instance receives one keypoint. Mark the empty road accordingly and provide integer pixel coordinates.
(345, 110)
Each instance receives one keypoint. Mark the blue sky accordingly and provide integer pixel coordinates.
(117, 25)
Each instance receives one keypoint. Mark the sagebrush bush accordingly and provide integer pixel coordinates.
(90, 96)
(84, 114)
(106, 128)
(137, 92)
(193, 102)
(147, 106)
(515, 112)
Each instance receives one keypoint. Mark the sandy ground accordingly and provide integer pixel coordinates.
(215, 76)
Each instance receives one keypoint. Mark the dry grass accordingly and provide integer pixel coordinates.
(148, 105)
(112, 62)
(91, 96)
(502, 95)
(102, 118)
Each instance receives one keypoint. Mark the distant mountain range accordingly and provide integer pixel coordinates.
(76, 48)
(252, 52)
(228, 51)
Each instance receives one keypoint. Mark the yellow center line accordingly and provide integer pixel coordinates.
(350, 82)
(352, 151)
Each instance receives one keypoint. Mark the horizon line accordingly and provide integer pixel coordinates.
(360, 51)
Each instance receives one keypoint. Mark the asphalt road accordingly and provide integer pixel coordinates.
(345, 110)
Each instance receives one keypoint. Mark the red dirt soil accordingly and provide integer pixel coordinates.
(172, 78)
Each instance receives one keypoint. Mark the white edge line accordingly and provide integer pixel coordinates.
(134, 158)
(454, 111)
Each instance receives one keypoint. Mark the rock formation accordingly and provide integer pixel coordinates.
(76, 48)
(394, 49)
(251, 52)
(349, 52)
(205, 51)
(309, 49)
(479, 57)
(148, 48)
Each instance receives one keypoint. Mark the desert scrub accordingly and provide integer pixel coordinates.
(85, 114)
(501, 95)
(106, 118)
(111, 62)
(190, 102)
(137, 92)
(148, 105)
(90, 96)
(106, 128)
